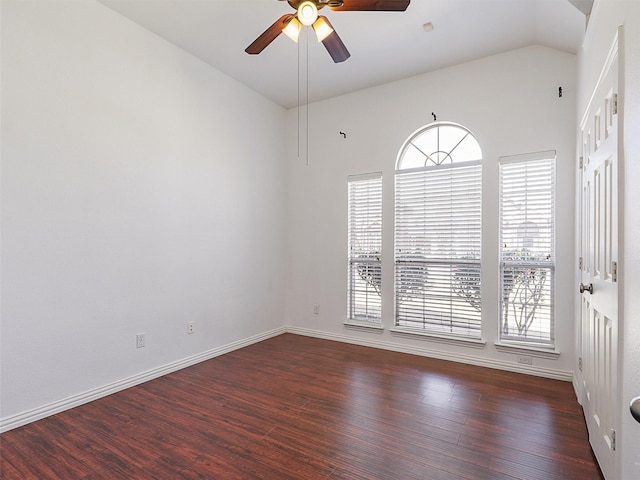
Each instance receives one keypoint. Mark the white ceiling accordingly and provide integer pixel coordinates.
(384, 46)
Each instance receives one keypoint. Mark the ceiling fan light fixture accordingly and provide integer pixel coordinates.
(307, 13)
(292, 30)
(322, 28)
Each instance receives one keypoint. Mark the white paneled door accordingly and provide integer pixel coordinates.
(598, 265)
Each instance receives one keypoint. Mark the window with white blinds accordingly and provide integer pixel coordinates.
(364, 283)
(527, 248)
(438, 229)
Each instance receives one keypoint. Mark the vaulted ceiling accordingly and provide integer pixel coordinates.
(384, 46)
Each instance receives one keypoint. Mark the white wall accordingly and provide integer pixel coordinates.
(606, 17)
(141, 189)
(510, 102)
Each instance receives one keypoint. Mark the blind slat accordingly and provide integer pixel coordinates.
(527, 253)
(438, 224)
(364, 271)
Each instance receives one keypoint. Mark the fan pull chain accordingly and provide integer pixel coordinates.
(298, 100)
(306, 98)
(307, 94)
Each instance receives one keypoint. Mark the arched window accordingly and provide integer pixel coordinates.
(438, 231)
(438, 144)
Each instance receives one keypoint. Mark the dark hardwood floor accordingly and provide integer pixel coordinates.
(294, 407)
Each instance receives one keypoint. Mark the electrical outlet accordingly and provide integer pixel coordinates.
(140, 340)
(525, 360)
(316, 309)
(190, 327)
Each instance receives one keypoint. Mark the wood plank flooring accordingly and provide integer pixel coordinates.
(294, 407)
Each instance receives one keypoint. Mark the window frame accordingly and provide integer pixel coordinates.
(364, 267)
(535, 268)
(437, 163)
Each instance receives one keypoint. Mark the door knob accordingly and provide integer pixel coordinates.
(635, 408)
(586, 288)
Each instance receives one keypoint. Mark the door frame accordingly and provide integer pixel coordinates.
(616, 53)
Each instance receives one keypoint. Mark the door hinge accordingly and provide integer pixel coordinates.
(580, 363)
(614, 103)
(580, 263)
(581, 163)
(613, 440)
(614, 271)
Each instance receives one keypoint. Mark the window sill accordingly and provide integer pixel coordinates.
(364, 326)
(449, 339)
(530, 350)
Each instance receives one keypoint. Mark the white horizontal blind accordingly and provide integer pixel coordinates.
(364, 283)
(527, 253)
(438, 224)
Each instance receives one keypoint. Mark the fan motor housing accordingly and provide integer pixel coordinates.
(319, 3)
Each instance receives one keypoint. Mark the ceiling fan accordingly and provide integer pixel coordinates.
(307, 15)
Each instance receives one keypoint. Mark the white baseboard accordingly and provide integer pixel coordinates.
(555, 374)
(14, 421)
(38, 413)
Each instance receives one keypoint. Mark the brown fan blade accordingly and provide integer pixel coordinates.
(269, 35)
(334, 45)
(373, 5)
